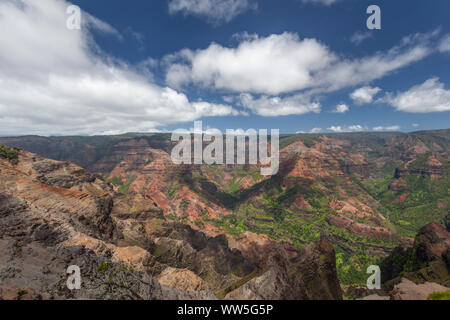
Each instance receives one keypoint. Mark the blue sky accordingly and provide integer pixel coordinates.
(290, 64)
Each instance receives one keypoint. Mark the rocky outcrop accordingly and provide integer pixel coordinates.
(271, 284)
(317, 267)
(56, 199)
(431, 243)
(55, 214)
(408, 290)
(182, 279)
(12, 293)
(255, 247)
(426, 261)
(310, 275)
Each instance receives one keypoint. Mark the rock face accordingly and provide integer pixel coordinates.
(11, 293)
(432, 244)
(318, 269)
(54, 215)
(311, 275)
(408, 290)
(415, 273)
(426, 261)
(184, 280)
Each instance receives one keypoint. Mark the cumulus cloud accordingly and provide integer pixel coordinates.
(352, 128)
(389, 128)
(279, 106)
(430, 96)
(364, 95)
(341, 108)
(215, 11)
(284, 63)
(270, 65)
(57, 81)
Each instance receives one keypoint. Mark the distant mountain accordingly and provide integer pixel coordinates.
(365, 193)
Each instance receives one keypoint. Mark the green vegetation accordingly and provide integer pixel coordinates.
(352, 268)
(230, 223)
(172, 192)
(116, 181)
(103, 268)
(9, 153)
(172, 217)
(235, 185)
(439, 296)
(115, 277)
(271, 214)
(421, 205)
(125, 188)
(281, 224)
(200, 224)
(420, 199)
(308, 139)
(393, 265)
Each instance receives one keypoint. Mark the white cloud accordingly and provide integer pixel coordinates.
(313, 130)
(271, 65)
(389, 128)
(364, 95)
(244, 36)
(359, 37)
(57, 81)
(415, 125)
(229, 99)
(215, 11)
(341, 108)
(444, 46)
(89, 20)
(430, 96)
(284, 63)
(352, 128)
(276, 106)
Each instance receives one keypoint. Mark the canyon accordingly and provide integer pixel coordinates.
(141, 227)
